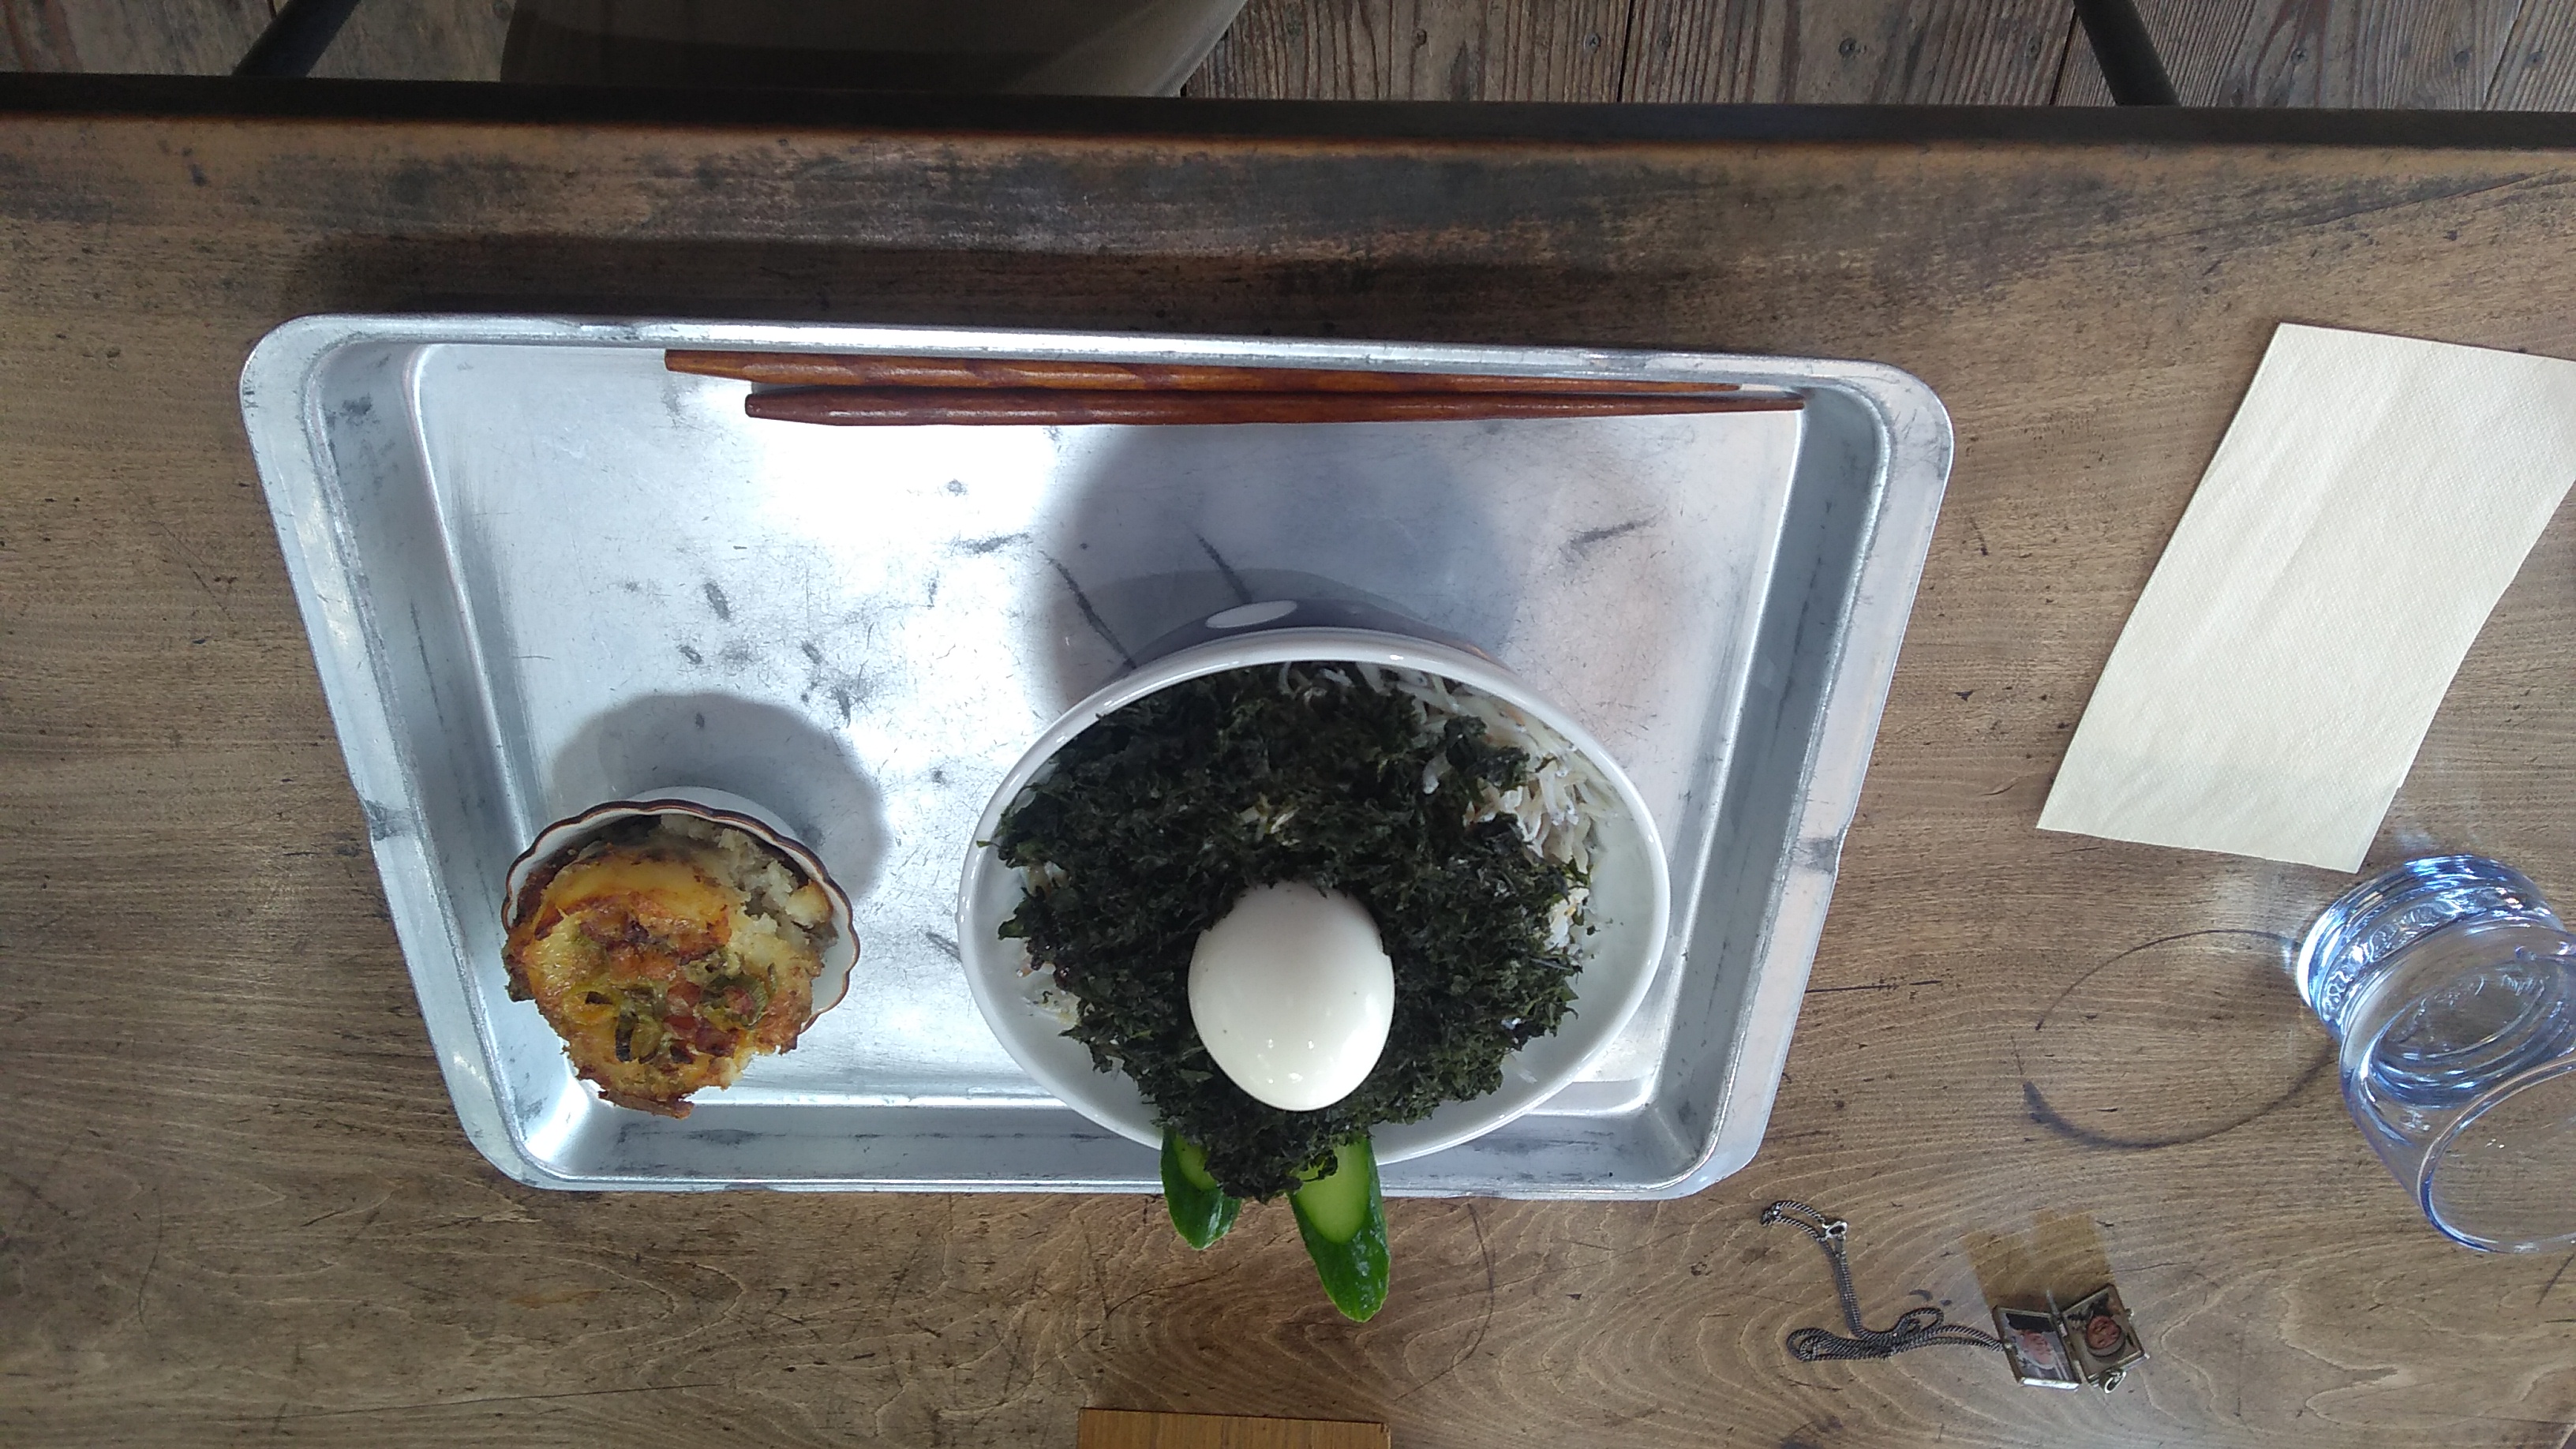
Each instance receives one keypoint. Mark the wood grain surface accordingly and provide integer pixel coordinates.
(2458, 54)
(384, 39)
(1924, 52)
(2439, 54)
(2506, 54)
(1420, 50)
(420, 40)
(238, 1208)
(1129, 1429)
(39, 34)
(155, 37)
(2538, 70)
(2080, 81)
(1995, 52)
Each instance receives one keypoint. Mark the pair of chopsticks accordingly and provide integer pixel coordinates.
(860, 389)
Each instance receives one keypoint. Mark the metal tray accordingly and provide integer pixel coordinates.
(539, 572)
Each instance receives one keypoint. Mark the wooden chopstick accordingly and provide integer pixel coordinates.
(913, 406)
(818, 369)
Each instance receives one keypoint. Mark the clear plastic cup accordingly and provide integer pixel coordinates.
(2451, 988)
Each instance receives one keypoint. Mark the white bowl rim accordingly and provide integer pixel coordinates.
(722, 807)
(1309, 644)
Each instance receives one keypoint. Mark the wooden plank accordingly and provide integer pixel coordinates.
(2222, 52)
(1128, 1429)
(2539, 69)
(2080, 81)
(410, 40)
(2366, 53)
(1923, 52)
(39, 36)
(164, 37)
(237, 1203)
(1419, 50)
(421, 40)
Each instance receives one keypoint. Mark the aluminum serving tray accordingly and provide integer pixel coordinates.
(540, 572)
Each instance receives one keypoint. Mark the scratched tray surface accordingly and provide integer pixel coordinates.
(540, 571)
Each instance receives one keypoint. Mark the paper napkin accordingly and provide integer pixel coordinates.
(2369, 504)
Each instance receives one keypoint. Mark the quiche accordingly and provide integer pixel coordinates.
(667, 952)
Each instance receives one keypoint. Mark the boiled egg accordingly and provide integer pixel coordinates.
(1292, 993)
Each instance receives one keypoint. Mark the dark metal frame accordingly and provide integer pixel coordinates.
(1325, 121)
(2126, 52)
(295, 38)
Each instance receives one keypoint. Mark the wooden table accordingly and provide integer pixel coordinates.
(2454, 54)
(239, 1209)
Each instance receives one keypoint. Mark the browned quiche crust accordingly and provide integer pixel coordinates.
(667, 955)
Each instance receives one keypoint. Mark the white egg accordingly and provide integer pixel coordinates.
(1293, 994)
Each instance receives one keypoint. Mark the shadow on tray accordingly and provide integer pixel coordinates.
(799, 771)
(1166, 526)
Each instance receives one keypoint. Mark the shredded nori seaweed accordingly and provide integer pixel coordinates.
(1160, 815)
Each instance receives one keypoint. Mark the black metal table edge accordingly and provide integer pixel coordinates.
(225, 97)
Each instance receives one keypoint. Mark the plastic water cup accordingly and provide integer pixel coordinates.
(2450, 987)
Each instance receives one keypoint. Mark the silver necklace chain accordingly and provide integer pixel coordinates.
(1914, 1328)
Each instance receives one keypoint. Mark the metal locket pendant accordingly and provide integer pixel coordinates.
(2090, 1342)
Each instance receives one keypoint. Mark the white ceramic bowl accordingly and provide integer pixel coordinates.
(839, 958)
(1631, 897)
